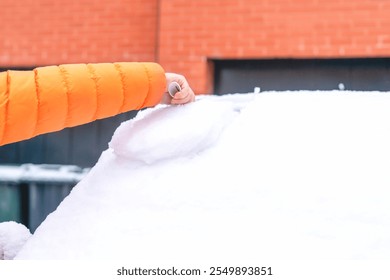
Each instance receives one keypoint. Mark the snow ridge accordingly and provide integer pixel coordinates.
(175, 129)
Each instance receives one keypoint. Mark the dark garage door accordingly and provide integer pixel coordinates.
(233, 76)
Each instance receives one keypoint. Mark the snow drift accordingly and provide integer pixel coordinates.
(12, 238)
(279, 175)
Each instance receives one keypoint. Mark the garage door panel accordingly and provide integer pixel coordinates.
(303, 74)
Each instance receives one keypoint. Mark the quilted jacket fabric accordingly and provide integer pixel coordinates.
(51, 98)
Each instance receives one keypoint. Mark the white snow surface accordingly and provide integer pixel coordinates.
(41, 173)
(12, 238)
(274, 175)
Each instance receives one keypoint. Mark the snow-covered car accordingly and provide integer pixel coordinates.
(272, 175)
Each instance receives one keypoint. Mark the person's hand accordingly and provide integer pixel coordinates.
(186, 95)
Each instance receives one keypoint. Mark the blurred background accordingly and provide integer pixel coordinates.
(221, 46)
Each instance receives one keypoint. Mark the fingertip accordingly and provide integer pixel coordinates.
(180, 95)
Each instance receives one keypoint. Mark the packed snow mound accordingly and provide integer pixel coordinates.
(12, 238)
(300, 175)
(162, 133)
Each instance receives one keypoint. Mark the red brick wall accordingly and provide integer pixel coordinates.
(193, 31)
(183, 35)
(41, 32)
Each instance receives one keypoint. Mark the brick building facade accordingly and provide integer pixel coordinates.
(186, 36)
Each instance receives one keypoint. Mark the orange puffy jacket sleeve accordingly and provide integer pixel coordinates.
(51, 98)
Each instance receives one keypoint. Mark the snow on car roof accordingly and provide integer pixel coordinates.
(299, 174)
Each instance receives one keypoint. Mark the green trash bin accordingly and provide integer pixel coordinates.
(28, 193)
(10, 199)
(10, 195)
